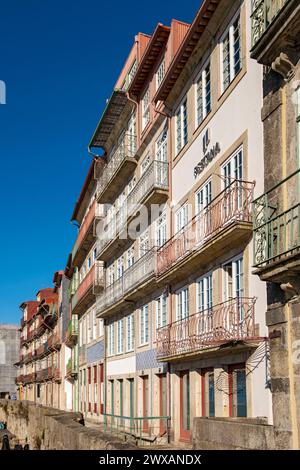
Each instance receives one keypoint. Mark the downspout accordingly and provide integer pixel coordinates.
(168, 115)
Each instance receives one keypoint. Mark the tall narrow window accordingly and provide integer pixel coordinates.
(203, 197)
(181, 126)
(132, 135)
(205, 293)
(120, 336)
(161, 230)
(181, 218)
(161, 311)
(203, 90)
(160, 73)
(144, 325)
(233, 168)
(111, 340)
(146, 109)
(144, 243)
(233, 281)
(231, 53)
(130, 333)
(182, 304)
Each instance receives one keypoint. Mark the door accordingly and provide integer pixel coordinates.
(237, 391)
(131, 402)
(185, 425)
(208, 392)
(161, 157)
(145, 382)
(232, 171)
(163, 402)
(204, 219)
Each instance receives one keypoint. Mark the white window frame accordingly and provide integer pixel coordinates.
(146, 109)
(120, 345)
(206, 191)
(233, 169)
(182, 303)
(237, 263)
(144, 325)
(160, 73)
(181, 126)
(202, 97)
(161, 229)
(111, 339)
(205, 287)
(161, 310)
(130, 333)
(181, 217)
(229, 34)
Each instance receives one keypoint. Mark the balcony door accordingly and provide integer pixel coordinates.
(185, 419)
(237, 391)
(204, 328)
(233, 195)
(180, 335)
(204, 216)
(233, 294)
(161, 157)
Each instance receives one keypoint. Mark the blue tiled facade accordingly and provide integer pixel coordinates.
(95, 353)
(147, 360)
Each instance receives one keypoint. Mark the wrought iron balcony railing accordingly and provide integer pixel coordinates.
(233, 320)
(133, 277)
(276, 222)
(126, 150)
(87, 232)
(264, 13)
(72, 331)
(154, 178)
(233, 204)
(92, 283)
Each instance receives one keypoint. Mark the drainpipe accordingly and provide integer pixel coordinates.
(168, 115)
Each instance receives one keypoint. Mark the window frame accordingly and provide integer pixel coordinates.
(144, 325)
(182, 113)
(203, 77)
(229, 31)
(146, 109)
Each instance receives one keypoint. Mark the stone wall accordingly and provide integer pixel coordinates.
(232, 434)
(50, 429)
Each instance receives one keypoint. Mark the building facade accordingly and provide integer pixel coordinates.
(275, 45)
(9, 355)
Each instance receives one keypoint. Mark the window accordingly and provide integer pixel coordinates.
(94, 325)
(89, 262)
(111, 340)
(131, 73)
(130, 333)
(231, 53)
(237, 391)
(146, 109)
(181, 218)
(100, 327)
(203, 197)
(161, 311)
(120, 336)
(204, 293)
(160, 73)
(144, 325)
(145, 163)
(161, 229)
(95, 254)
(233, 168)
(144, 243)
(182, 304)
(203, 94)
(233, 279)
(161, 147)
(181, 127)
(132, 135)
(110, 275)
(208, 392)
(130, 257)
(120, 267)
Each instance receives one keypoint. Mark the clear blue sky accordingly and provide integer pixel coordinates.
(59, 60)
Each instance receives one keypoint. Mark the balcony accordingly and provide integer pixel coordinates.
(85, 292)
(71, 371)
(135, 283)
(273, 22)
(19, 379)
(87, 233)
(120, 166)
(226, 221)
(152, 188)
(225, 323)
(42, 375)
(276, 230)
(72, 332)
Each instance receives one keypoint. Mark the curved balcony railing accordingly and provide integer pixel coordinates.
(94, 282)
(126, 149)
(233, 204)
(276, 222)
(233, 320)
(154, 178)
(264, 13)
(133, 277)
